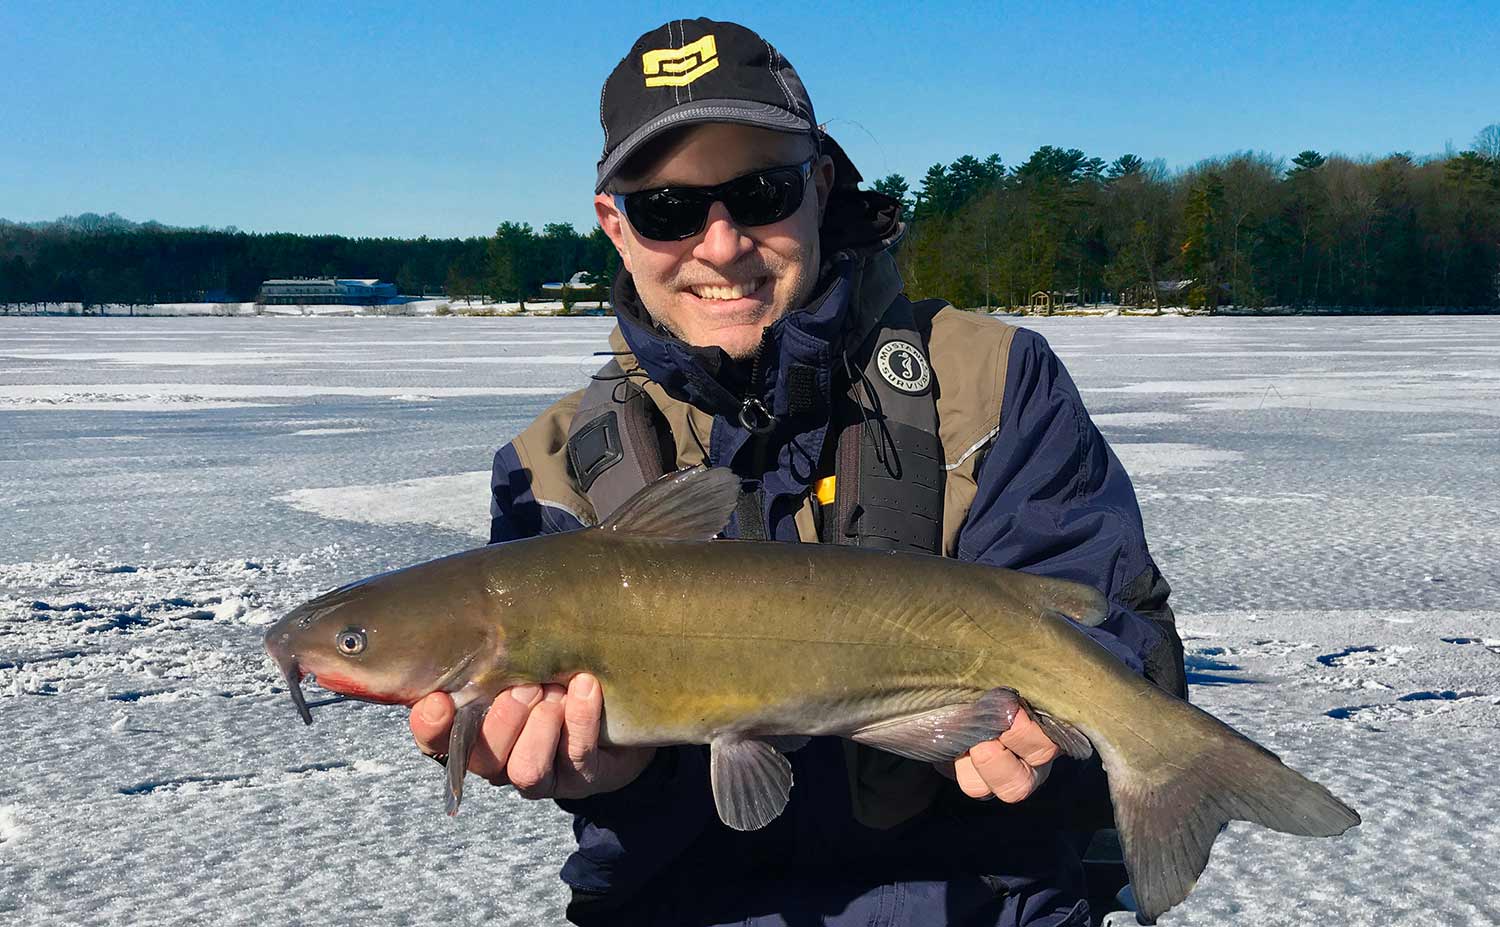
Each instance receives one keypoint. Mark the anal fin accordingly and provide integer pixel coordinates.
(751, 781)
(1069, 739)
(943, 733)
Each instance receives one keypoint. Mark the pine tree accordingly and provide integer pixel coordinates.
(936, 196)
(1203, 248)
(512, 260)
(1125, 165)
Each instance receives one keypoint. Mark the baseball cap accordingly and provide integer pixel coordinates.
(691, 71)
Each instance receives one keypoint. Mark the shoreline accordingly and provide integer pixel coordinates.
(442, 308)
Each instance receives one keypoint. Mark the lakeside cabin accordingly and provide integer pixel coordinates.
(325, 291)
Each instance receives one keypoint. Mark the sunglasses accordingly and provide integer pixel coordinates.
(675, 213)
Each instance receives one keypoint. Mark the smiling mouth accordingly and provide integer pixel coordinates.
(719, 293)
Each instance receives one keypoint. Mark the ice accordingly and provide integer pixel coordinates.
(1319, 492)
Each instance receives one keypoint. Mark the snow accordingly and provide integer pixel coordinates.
(329, 431)
(1319, 492)
(1156, 458)
(451, 502)
(1129, 419)
(12, 830)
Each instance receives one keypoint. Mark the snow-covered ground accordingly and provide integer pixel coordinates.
(1322, 494)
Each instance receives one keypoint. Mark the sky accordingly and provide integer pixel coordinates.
(444, 119)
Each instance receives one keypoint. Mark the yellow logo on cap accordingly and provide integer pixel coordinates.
(678, 67)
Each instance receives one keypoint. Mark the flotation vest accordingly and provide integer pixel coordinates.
(888, 472)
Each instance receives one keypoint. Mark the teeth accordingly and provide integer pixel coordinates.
(738, 291)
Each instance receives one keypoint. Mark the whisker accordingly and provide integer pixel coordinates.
(331, 700)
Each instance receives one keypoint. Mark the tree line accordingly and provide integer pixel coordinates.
(1247, 229)
(96, 260)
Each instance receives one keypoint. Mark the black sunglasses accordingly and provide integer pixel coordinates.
(675, 213)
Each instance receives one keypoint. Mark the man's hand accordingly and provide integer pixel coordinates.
(544, 740)
(1009, 768)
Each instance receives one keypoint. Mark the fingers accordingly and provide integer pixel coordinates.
(1027, 740)
(507, 717)
(530, 766)
(518, 742)
(582, 710)
(1010, 768)
(430, 720)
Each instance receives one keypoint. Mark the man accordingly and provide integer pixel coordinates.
(762, 328)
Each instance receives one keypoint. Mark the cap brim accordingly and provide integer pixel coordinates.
(743, 112)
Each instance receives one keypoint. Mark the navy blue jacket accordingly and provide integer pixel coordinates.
(1052, 499)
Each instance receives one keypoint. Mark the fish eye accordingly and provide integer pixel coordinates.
(351, 641)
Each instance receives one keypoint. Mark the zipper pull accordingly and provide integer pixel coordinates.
(756, 418)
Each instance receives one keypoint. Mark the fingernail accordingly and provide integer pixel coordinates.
(527, 694)
(431, 710)
(556, 693)
(584, 685)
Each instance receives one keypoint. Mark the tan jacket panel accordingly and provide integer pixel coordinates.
(969, 355)
(543, 450)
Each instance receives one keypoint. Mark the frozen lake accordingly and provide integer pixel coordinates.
(1321, 493)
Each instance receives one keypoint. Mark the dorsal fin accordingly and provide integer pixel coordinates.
(689, 505)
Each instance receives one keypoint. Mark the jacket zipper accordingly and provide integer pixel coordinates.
(754, 415)
(759, 421)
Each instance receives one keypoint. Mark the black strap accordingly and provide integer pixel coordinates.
(748, 519)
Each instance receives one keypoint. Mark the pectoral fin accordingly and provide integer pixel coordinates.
(461, 740)
(751, 781)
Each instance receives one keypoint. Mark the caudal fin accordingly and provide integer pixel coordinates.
(1170, 808)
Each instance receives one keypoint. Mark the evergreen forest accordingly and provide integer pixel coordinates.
(1247, 229)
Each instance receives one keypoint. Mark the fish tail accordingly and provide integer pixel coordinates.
(1171, 803)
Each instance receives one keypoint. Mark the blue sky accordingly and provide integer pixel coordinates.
(444, 119)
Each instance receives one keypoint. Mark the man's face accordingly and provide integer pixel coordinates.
(724, 285)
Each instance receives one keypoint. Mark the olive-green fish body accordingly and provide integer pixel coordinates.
(752, 647)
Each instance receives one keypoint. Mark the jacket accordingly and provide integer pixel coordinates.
(866, 839)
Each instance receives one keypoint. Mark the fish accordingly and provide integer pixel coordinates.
(752, 647)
